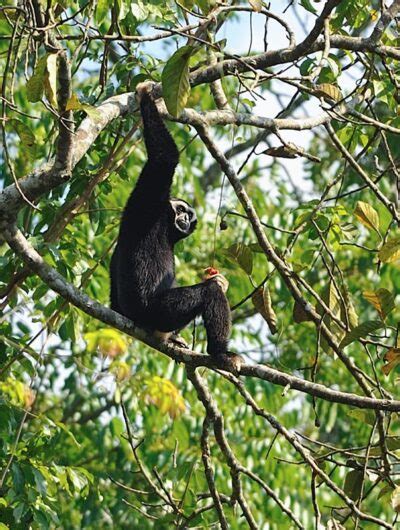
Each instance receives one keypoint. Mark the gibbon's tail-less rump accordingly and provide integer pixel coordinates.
(142, 266)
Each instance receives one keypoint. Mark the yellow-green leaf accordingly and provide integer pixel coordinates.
(175, 80)
(107, 341)
(390, 251)
(382, 300)
(121, 370)
(262, 302)
(163, 394)
(367, 215)
(50, 79)
(395, 499)
(328, 91)
(26, 136)
(257, 5)
(361, 331)
(35, 85)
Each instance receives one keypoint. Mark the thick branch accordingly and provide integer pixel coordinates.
(79, 299)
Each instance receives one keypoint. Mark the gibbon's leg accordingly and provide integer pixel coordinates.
(176, 308)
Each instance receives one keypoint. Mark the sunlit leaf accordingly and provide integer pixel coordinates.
(175, 80)
(395, 499)
(390, 251)
(164, 395)
(392, 358)
(50, 79)
(107, 341)
(382, 300)
(328, 91)
(367, 215)
(257, 5)
(121, 370)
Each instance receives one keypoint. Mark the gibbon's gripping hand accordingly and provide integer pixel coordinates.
(221, 281)
(214, 275)
(146, 87)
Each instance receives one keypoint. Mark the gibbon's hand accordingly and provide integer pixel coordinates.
(220, 280)
(144, 88)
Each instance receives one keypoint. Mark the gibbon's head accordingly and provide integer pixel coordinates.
(184, 218)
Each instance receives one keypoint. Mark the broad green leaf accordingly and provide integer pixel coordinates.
(367, 215)
(390, 251)
(43, 80)
(395, 499)
(365, 416)
(382, 300)
(361, 331)
(35, 85)
(333, 300)
(351, 310)
(175, 80)
(353, 483)
(26, 136)
(102, 8)
(242, 254)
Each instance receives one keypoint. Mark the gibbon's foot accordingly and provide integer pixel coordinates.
(146, 87)
(232, 362)
(177, 340)
(221, 281)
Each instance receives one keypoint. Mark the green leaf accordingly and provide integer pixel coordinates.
(241, 253)
(367, 215)
(26, 136)
(395, 499)
(361, 331)
(390, 251)
(353, 483)
(365, 416)
(35, 85)
(43, 80)
(175, 80)
(102, 8)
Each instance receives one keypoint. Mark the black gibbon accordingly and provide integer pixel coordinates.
(142, 272)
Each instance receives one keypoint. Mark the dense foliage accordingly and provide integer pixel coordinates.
(98, 429)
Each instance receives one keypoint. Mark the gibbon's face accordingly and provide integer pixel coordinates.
(185, 219)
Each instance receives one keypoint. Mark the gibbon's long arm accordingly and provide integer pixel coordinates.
(155, 180)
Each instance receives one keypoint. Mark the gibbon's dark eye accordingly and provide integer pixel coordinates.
(180, 209)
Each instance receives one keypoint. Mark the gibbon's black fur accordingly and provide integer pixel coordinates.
(142, 266)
